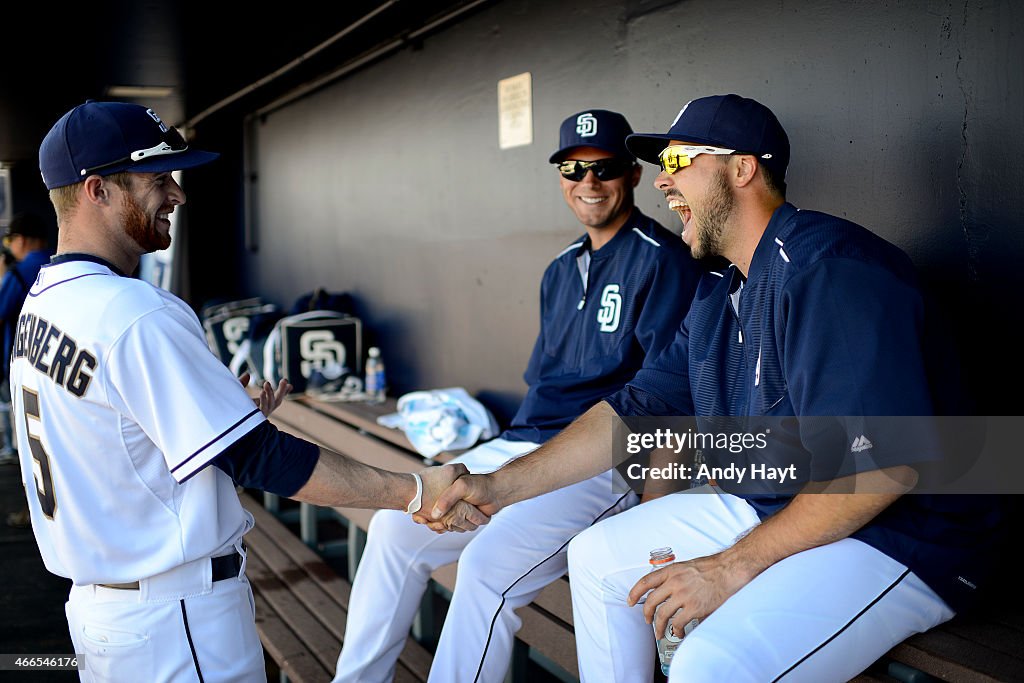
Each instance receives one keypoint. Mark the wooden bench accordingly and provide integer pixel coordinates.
(301, 605)
(987, 646)
(980, 648)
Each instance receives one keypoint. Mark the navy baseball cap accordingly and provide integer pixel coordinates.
(598, 128)
(728, 121)
(102, 138)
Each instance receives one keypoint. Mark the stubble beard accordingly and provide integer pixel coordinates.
(141, 228)
(711, 219)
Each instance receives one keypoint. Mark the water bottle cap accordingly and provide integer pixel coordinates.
(374, 352)
(661, 556)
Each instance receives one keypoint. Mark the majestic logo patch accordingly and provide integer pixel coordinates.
(611, 309)
(319, 349)
(586, 125)
(861, 443)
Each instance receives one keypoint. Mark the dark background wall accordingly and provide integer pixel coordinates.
(905, 117)
(389, 183)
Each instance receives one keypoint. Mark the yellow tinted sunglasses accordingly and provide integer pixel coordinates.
(675, 157)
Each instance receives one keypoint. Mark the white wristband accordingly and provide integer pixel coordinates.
(417, 502)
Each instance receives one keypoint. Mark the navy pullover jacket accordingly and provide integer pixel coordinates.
(599, 321)
(829, 322)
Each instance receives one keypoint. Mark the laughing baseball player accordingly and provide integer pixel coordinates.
(121, 408)
(814, 316)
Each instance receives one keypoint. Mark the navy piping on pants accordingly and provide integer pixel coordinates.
(191, 645)
(501, 605)
(845, 626)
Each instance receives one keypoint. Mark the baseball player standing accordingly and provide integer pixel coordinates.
(816, 316)
(121, 408)
(612, 298)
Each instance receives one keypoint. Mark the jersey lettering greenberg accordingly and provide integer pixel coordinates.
(119, 405)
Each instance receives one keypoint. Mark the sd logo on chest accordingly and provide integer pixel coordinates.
(611, 309)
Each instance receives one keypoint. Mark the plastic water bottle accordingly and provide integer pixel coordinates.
(662, 557)
(376, 384)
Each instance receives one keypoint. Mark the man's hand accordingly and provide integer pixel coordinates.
(462, 517)
(697, 588)
(436, 482)
(476, 489)
(688, 590)
(269, 399)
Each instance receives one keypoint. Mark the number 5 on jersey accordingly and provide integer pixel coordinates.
(41, 466)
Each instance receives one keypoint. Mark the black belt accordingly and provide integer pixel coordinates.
(223, 567)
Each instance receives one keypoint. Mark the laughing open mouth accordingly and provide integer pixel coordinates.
(680, 207)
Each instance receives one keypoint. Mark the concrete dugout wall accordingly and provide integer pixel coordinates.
(904, 116)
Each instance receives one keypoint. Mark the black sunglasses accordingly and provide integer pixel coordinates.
(171, 143)
(604, 169)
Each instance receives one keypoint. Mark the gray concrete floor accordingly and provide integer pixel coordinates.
(31, 598)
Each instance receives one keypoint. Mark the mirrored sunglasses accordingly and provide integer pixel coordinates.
(604, 169)
(675, 157)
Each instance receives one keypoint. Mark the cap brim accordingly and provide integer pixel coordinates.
(559, 156)
(562, 154)
(648, 146)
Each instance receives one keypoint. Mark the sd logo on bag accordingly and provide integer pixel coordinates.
(324, 341)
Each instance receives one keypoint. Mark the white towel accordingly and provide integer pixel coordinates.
(441, 419)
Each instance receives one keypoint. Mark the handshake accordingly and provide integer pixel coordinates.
(455, 500)
(452, 498)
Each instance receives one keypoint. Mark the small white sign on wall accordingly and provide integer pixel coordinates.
(515, 111)
(5, 198)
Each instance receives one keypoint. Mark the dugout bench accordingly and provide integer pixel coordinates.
(302, 603)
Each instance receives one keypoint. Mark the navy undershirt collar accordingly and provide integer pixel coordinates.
(80, 256)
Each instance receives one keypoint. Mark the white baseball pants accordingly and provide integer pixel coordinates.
(821, 615)
(502, 566)
(171, 630)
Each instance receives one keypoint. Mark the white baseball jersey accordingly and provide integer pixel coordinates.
(119, 404)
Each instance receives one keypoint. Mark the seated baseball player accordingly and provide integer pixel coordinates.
(121, 408)
(612, 298)
(816, 316)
